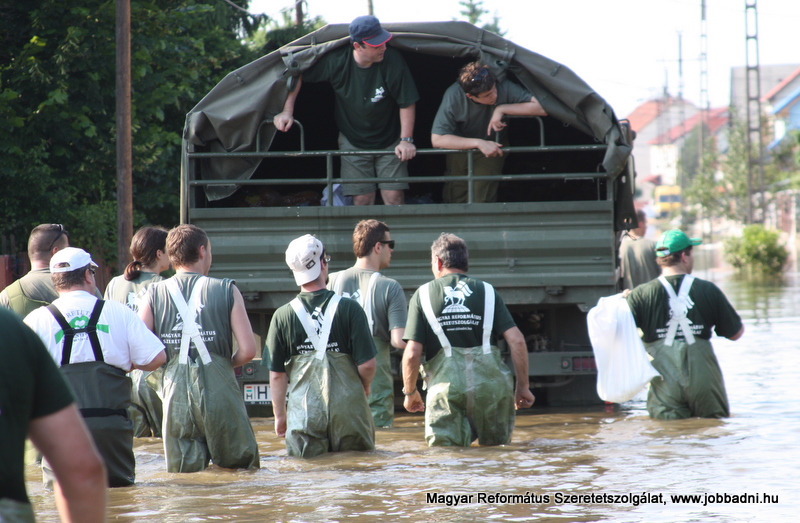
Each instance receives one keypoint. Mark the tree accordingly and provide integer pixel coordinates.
(275, 35)
(57, 105)
(473, 11)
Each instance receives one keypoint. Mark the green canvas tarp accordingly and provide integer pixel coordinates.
(228, 118)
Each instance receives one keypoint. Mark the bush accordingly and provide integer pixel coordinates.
(757, 251)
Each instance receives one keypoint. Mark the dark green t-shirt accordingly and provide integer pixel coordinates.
(31, 387)
(462, 321)
(367, 100)
(460, 116)
(349, 333)
(649, 304)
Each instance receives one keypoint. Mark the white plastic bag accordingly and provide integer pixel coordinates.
(339, 199)
(623, 367)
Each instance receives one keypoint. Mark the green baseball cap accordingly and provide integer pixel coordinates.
(674, 241)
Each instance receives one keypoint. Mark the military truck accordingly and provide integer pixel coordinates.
(548, 245)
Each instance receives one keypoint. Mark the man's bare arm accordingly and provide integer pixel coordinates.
(64, 440)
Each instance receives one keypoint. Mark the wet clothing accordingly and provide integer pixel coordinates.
(31, 387)
(145, 410)
(384, 303)
(460, 116)
(638, 261)
(29, 292)
(205, 419)
(318, 340)
(95, 343)
(470, 390)
(691, 384)
(367, 100)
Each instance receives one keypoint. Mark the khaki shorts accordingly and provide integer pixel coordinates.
(384, 166)
(457, 165)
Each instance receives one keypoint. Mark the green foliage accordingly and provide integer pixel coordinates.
(758, 251)
(58, 107)
(473, 11)
(275, 35)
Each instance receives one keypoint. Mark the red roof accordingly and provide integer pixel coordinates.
(716, 119)
(645, 113)
(775, 90)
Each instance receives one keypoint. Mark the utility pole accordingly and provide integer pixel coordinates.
(705, 106)
(124, 154)
(370, 10)
(754, 135)
(298, 13)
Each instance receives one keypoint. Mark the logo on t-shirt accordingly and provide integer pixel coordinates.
(454, 298)
(80, 322)
(378, 95)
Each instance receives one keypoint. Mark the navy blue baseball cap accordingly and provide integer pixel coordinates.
(368, 29)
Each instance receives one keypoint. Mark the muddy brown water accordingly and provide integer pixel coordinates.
(632, 465)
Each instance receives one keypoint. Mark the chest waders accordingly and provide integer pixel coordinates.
(204, 415)
(103, 393)
(381, 392)
(15, 511)
(470, 390)
(692, 384)
(327, 410)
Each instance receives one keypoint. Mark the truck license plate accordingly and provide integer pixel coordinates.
(257, 394)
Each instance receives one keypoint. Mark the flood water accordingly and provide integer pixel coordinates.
(613, 451)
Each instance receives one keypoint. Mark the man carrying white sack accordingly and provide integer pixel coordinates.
(676, 314)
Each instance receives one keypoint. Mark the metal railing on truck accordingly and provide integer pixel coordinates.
(329, 180)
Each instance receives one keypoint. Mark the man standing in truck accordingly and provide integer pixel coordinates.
(320, 348)
(197, 318)
(637, 255)
(455, 321)
(472, 110)
(371, 82)
(676, 313)
(384, 303)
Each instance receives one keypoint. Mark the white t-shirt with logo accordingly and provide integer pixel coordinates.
(124, 338)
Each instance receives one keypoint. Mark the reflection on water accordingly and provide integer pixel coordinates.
(612, 451)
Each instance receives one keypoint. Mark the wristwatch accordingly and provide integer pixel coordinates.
(407, 139)
(409, 393)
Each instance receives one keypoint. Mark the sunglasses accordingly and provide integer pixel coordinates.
(93, 270)
(326, 258)
(61, 231)
(390, 243)
(483, 73)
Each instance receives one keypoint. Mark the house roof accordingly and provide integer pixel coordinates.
(716, 119)
(786, 101)
(783, 83)
(649, 111)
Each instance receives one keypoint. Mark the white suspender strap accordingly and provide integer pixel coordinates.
(319, 340)
(427, 308)
(368, 298)
(679, 307)
(488, 317)
(188, 313)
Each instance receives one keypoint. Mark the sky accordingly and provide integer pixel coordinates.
(626, 50)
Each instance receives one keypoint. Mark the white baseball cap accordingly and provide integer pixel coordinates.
(303, 257)
(70, 259)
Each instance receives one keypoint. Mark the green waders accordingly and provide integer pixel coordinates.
(691, 383)
(16, 511)
(327, 409)
(381, 391)
(145, 410)
(470, 391)
(204, 415)
(103, 394)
